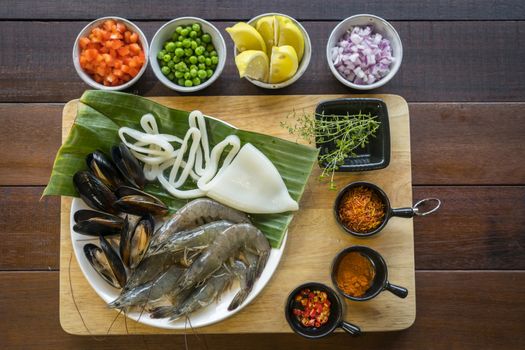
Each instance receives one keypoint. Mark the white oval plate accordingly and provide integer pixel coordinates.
(211, 314)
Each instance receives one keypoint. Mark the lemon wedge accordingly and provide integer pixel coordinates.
(283, 64)
(266, 27)
(290, 34)
(246, 37)
(253, 64)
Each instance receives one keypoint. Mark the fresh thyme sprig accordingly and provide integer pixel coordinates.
(347, 132)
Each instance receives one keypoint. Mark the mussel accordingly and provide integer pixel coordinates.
(104, 169)
(137, 202)
(94, 223)
(106, 263)
(135, 241)
(128, 166)
(94, 192)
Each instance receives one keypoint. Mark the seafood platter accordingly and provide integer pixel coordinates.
(198, 212)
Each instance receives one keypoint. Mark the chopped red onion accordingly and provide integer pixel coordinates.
(361, 56)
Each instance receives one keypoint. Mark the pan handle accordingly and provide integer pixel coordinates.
(398, 291)
(403, 212)
(350, 328)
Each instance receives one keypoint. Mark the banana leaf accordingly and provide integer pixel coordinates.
(100, 114)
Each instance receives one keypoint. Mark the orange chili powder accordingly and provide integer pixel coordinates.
(361, 209)
(355, 274)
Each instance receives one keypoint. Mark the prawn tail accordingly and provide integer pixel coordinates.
(261, 263)
(163, 312)
(238, 299)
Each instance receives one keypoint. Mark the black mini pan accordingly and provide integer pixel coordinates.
(335, 320)
(389, 211)
(380, 281)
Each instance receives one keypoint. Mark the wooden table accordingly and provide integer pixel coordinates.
(464, 78)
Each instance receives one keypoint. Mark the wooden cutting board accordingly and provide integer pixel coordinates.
(313, 240)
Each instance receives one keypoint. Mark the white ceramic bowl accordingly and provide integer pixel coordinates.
(85, 32)
(379, 26)
(305, 61)
(164, 34)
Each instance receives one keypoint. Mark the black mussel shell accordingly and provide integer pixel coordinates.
(95, 223)
(137, 202)
(100, 264)
(94, 192)
(104, 169)
(140, 239)
(128, 165)
(125, 242)
(117, 267)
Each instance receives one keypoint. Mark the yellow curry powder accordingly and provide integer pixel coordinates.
(355, 274)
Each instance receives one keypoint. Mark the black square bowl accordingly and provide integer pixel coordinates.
(376, 153)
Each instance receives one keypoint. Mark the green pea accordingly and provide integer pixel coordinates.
(178, 44)
(187, 75)
(206, 54)
(194, 45)
(174, 36)
(193, 73)
(213, 53)
(214, 60)
(186, 43)
(184, 32)
(160, 55)
(201, 74)
(178, 29)
(179, 52)
(196, 27)
(210, 48)
(170, 46)
(196, 81)
(193, 67)
(206, 38)
(166, 58)
(201, 66)
(179, 74)
(201, 59)
(209, 73)
(199, 50)
(193, 59)
(176, 59)
(181, 82)
(188, 27)
(188, 52)
(171, 64)
(166, 70)
(207, 61)
(193, 34)
(188, 83)
(162, 63)
(198, 41)
(171, 76)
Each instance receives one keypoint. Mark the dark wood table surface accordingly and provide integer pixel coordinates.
(463, 74)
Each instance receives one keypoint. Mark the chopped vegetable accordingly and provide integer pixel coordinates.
(311, 308)
(362, 210)
(362, 57)
(111, 54)
(188, 46)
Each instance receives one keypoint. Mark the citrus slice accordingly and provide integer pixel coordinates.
(290, 34)
(265, 26)
(253, 64)
(283, 64)
(246, 37)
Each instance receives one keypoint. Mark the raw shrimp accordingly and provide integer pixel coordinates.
(155, 262)
(203, 295)
(150, 291)
(237, 238)
(196, 239)
(196, 213)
